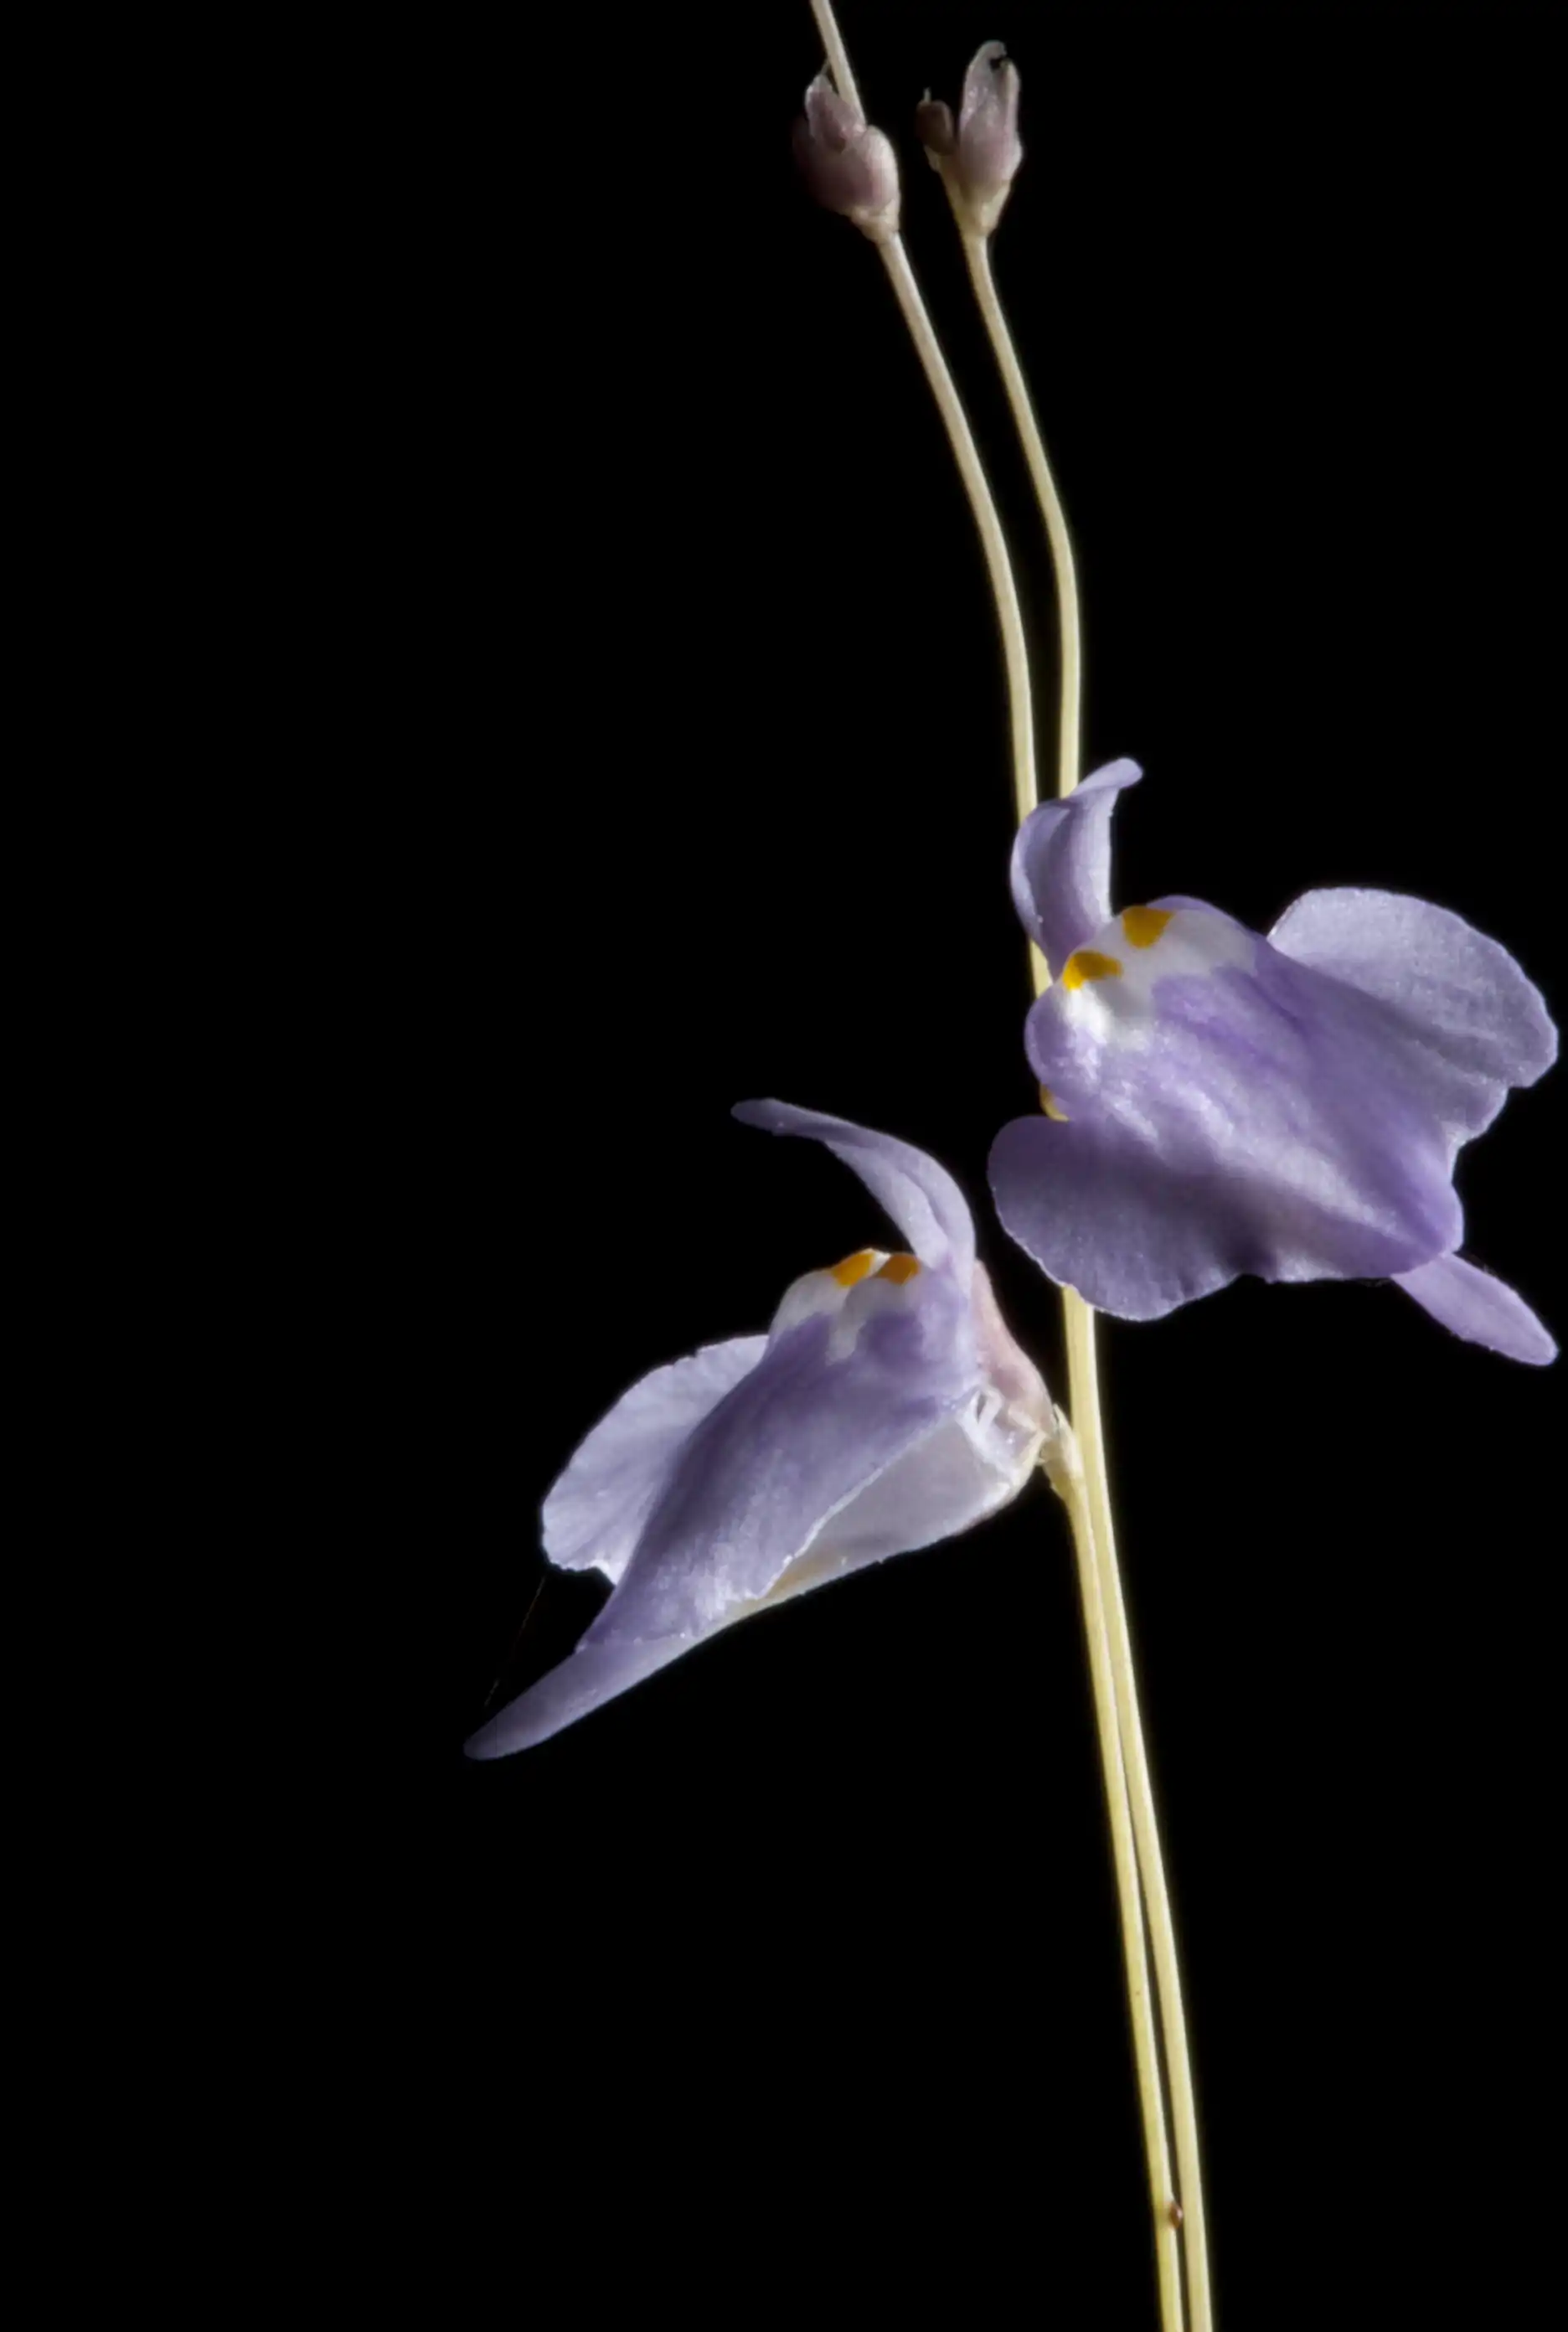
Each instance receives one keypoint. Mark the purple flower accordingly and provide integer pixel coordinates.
(886, 1408)
(1291, 1106)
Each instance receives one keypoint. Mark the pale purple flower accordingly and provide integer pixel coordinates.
(886, 1408)
(1216, 1103)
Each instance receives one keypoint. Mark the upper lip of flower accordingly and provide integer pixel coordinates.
(1227, 1102)
(886, 1408)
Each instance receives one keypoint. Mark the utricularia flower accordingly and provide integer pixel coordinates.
(1216, 1103)
(886, 1408)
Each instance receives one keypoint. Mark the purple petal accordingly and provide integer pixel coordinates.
(1451, 989)
(888, 1409)
(810, 1426)
(595, 1514)
(1483, 1310)
(765, 1476)
(1235, 1113)
(921, 1196)
(964, 1470)
(1061, 867)
(961, 1470)
(583, 1682)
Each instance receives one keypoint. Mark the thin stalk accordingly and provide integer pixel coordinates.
(1151, 1858)
(965, 453)
(1083, 1375)
(1009, 619)
(977, 251)
(1066, 1476)
(982, 502)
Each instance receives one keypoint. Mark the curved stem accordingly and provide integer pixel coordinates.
(977, 251)
(982, 502)
(1066, 1476)
(1083, 1375)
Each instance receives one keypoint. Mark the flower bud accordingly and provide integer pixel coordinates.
(934, 125)
(978, 160)
(850, 167)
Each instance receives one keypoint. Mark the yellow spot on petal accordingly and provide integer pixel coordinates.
(1088, 963)
(898, 1268)
(1143, 926)
(853, 1267)
(1051, 1107)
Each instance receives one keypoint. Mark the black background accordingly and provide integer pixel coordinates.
(686, 780)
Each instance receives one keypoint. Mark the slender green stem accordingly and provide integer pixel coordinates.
(1064, 1469)
(1083, 1375)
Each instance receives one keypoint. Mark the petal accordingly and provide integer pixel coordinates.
(1239, 1113)
(964, 1470)
(594, 1514)
(1475, 1306)
(814, 1423)
(966, 1466)
(583, 1682)
(1450, 988)
(1100, 1217)
(921, 1196)
(1061, 865)
(725, 1483)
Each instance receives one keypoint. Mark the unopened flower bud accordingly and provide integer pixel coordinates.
(934, 125)
(850, 167)
(978, 160)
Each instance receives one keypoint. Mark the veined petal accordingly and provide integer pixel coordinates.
(594, 1515)
(1482, 1310)
(921, 1196)
(1061, 864)
(1448, 987)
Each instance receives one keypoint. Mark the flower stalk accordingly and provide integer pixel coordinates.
(1082, 1483)
(1083, 1371)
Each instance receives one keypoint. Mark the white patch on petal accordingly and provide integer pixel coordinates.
(818, 1292)
(1117, 1007)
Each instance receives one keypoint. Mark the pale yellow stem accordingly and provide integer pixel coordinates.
(977, 251)
(1085, 1396)
(982, 502)
(832, 40)
(961, 438)
(1064, 1469)
(1083, 1375)
(1069, 1480)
